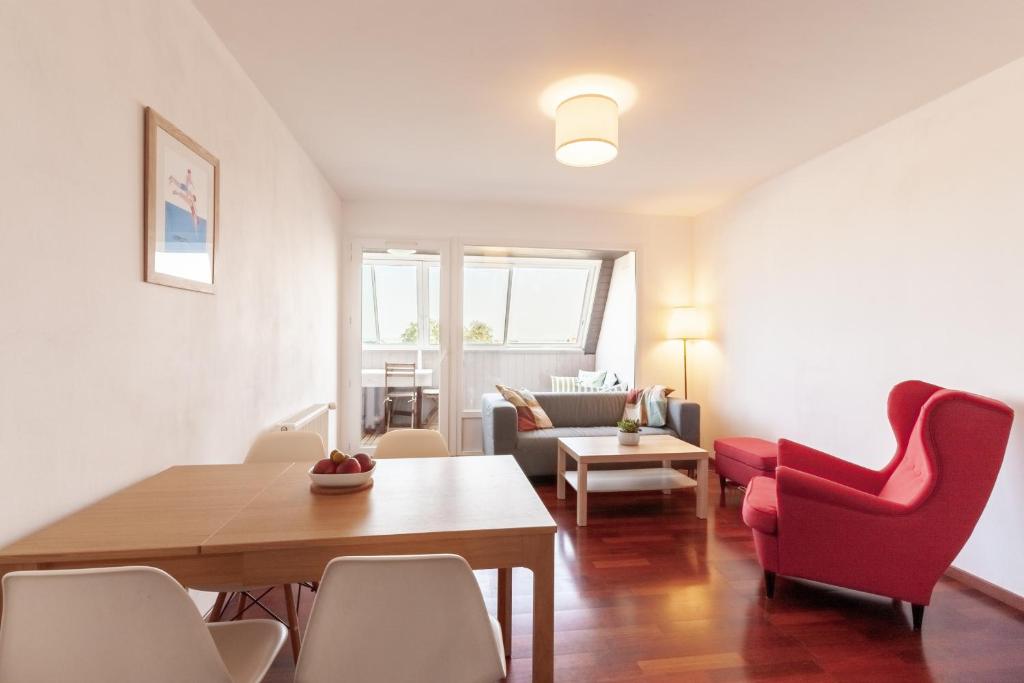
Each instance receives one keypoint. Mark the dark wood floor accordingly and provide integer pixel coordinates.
(649, 593)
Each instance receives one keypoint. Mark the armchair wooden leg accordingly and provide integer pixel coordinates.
(769, 583)
(917, 612)
(293, 620)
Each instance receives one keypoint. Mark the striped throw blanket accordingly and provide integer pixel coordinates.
(649, 406)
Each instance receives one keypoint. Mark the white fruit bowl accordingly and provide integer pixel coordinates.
(335, 481)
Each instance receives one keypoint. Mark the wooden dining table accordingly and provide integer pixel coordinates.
(261, 525)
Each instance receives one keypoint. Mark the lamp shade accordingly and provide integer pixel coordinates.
(587, 130)
(687, 323)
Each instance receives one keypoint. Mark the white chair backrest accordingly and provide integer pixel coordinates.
(286, 447)
(102, 625)
(400, 619)
(411, 443)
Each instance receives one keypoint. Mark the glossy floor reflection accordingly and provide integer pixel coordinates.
(648, 592)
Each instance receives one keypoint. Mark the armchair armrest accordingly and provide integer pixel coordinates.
(806, 459)
(794, 483)
(683, 418)
(498, 422)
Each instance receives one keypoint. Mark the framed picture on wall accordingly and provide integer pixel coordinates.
(182, 189)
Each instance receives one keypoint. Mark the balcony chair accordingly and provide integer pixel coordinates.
(399, 389)
(894, 531)
(400, 619)
(123, 624)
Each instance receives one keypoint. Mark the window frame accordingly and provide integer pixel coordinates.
(424, 262)
(593, 268)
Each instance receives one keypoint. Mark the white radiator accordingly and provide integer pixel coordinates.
(316, 419)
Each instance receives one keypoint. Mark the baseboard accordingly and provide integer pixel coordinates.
(988, 588)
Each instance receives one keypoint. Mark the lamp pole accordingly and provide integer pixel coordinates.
(686, 388)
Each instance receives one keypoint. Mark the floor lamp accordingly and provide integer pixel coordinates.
(686, 323)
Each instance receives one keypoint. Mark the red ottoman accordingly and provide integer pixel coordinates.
(742, 458)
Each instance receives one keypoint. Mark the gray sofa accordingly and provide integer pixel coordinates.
(590, 414)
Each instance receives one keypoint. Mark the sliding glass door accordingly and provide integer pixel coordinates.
(395, 369)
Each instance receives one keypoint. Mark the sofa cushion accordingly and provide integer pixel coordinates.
(531, 415)
(760, 505)
(582, 410)
(592, 378)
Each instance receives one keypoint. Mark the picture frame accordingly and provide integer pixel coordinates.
(182, 208)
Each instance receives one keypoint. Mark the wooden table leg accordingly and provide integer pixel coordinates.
(702, 488)
(667, 464)
(581, 494)
(541, 551)
(560, 481)
(505, 608)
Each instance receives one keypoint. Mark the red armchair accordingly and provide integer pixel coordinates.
(891, 532)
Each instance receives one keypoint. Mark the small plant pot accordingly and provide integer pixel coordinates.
(629, 438)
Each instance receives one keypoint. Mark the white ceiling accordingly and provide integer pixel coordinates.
(438, 100)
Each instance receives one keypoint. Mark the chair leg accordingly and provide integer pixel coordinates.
(293, 620)
(917, 612)
(242, 598)
(769, 583)
(218, 607)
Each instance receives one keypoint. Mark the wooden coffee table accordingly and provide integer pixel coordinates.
(588, 450)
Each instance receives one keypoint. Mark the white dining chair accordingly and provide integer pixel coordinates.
(280, 446)
(274, 446)
(411, 443)
(121, 624)
(400, 619)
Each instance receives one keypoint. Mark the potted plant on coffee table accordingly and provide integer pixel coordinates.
(629, 432)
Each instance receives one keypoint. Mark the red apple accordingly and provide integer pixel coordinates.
(348, 466)
(325, 466)
(365, 461)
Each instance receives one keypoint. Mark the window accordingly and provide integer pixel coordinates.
(434, 305)
(401, 297)
(547, 305)
(369, 308)
(527, 301)
(395, 289)
(485, 294)
(507, 301)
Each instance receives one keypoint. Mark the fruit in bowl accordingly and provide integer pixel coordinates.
(348, 466)
(341, 470)
(325, 466)
(365, 461)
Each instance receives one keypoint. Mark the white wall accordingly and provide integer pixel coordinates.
(662, 245)
(895, 256)
(616, 347)
(107, 379)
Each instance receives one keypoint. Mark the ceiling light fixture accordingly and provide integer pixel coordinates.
(587, 130)
(586, 110)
